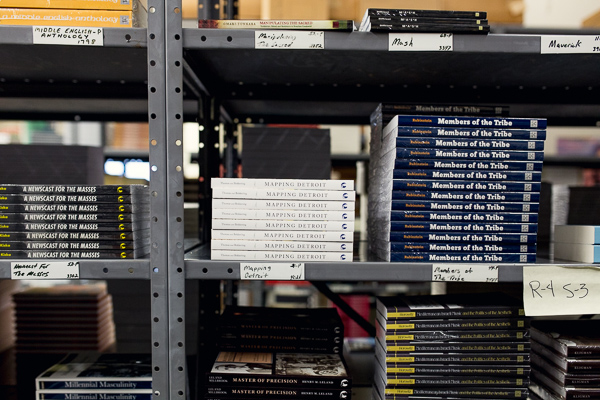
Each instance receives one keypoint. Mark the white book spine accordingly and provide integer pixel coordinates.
(586, 234)
(586, 253)
(305, 256)
(301, 184)
(283, 215)
(250, 204)
(260, 224)
(230, 193)
(307, 236)
(278, 245)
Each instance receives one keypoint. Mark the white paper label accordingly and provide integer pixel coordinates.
(65, 35)
(462, 273)
(561, 290)
(272, 271)
(569, 44)
(420, 42)
(45, 270)
(284, 39)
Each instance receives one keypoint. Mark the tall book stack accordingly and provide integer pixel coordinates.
(443, 21)
(64, 318)
(455, 189)
(95, 376)
(579, 243)
(451, 346)
(74, 221)
(282, 219)
(565, 359)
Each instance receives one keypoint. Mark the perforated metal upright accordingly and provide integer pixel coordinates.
(165, 108)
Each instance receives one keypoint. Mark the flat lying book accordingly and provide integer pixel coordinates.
(338, 25)
(573, 338)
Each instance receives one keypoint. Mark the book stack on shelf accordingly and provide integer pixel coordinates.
(577, 243)
(279, 353)
(74, 13)
(565, 359)
(74, 222)
(451, 346)
(96, 376)
(64, 318)
(282, 219)
(455, 189)
(443, 21)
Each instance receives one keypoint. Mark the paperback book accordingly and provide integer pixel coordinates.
(337, 25)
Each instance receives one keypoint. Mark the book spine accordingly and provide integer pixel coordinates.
(61, 198)
(463, 257)
(490, 347)
(281, 381)
(283, 225)
(474, 133)
(73, 208)
(305, 236)
(305, 256)
(493, 238)
(422, 27)
(72, 189)
(584, 234)
(294, 347)
(457, 195)
(344, 25)
(375, 12)
(390, 110)
(94, 227)
(250, 204)
(216, 244)
(463, 227)
(394, 19)
(473, 358)
(462, 336)
(449, 247)
(462, 154)
(483, 166)
(462, 216)
(505, 370)
(283, 392)
(45, 235)
(483, 323)
(281, 184)
(586, 253)
(475, 381)
(468, 392)
(74, 4)
(57, 383)
(483, 186)
(428, 205)
(465, 174)
(69, 18)
(287, 215)
(74, 395)
(69, 217)
(60, 245)
(481, 122)
(66, 254)
(224, 193)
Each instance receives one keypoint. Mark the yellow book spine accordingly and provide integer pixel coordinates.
(63, 17)
(123, 5)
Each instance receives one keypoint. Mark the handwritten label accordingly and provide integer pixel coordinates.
(45, 270)
(461, 273)
(283, 39)
(561, 290)
(570, 44)
(272, 271)
(64, 35)
(420, 42)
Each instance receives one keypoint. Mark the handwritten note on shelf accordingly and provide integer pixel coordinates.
(570, 44)
(561, 290)
(287, 39)
(420, 42)
(44, 270)
(65, 35)
(272, 271)
(464, 273)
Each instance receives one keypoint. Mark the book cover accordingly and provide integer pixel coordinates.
(73, 17)
(281, 184)
(338, 25)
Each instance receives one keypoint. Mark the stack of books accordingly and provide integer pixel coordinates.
(565, 359)
(64, 318)
(451, 346)
(443, 21)
(282, 219)
(455, 189)
(72, 13)
(96, 376)
(577, 243)
(74, 221)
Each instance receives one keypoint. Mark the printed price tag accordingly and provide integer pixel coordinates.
(570, 44)
(64, 35)
(283, 39)
(461, 273)
(45, 270)
(272, 271)
(420, 42)
(561, 290)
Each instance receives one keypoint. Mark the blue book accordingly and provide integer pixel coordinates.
(481, 133)
(426, 247)
(465, 237)
(470, 122)
(463, 257)
(434, 205)
(415, 184)
(462, 216)
(452, 195)
(517, 176)
(468, 227)
(470, 154)
(461, 143)
(491, 166)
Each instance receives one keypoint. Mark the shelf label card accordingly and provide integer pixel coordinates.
(65, 35)
(420, 42)
(561, 290)
(570, 44)
(272, 271)
(44, 270)
(464, 273)
(284, 39)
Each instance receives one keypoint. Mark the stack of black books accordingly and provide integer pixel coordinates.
(282, 219)
(455, 189)
(443, 21)
(74, 221)
(96, 376)
(451, 346)
(565, 359)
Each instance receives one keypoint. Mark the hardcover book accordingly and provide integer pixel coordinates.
(572, 339)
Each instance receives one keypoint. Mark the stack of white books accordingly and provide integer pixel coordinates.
(579, 243)
(282, 219)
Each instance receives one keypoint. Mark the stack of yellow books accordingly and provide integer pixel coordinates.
(93, 13)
